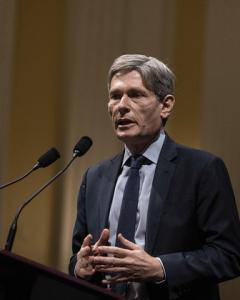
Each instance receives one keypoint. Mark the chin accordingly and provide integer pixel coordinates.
(135, 139)
(127, 138)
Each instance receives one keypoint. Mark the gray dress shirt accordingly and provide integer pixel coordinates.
(136, 290)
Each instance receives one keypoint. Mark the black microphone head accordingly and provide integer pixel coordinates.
(82, 146)
(48, 158)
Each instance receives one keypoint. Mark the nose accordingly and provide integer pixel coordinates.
(123, 104)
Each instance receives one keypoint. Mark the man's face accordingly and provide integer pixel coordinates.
(135, 111)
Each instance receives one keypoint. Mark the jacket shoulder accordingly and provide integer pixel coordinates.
(189, 155)
(106, 164)
(189, 151)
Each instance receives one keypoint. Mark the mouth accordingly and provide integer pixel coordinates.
(122, 123)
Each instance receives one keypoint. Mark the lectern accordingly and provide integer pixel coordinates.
(23, 279)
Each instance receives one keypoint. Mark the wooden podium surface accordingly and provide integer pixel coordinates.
(23, 279)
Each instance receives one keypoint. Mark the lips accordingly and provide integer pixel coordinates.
(123, 122)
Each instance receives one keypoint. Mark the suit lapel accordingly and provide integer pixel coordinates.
(164, 171)
(108, 183)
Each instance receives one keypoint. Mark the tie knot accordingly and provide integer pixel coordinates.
(137, 161)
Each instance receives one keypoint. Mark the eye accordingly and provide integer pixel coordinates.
(135, 94)
(115, 96)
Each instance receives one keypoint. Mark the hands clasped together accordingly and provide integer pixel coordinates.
(130, 263)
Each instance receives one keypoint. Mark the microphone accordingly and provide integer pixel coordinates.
(45, 160)
(82, 146)
(80, 149)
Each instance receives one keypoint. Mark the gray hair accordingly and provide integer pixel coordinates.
(156, 76)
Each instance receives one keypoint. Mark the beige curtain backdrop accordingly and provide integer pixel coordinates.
(54, 58)
(7, 29)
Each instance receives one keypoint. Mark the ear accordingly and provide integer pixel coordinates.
(167, 106)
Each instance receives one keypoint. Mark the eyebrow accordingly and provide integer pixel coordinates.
(132, 89)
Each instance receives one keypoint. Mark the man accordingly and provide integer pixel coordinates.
(186, 235)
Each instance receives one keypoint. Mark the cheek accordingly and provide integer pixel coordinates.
(110, 109)
(153, 117)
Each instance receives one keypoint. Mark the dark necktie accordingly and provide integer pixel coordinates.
(128, 213)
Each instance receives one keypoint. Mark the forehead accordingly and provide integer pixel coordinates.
(127, 79)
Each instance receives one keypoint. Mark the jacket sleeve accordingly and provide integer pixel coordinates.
(218, 258)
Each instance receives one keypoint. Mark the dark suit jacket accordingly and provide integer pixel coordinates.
(192, 224)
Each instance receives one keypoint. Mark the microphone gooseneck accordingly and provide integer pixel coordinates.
(45, 160)
(81, 147)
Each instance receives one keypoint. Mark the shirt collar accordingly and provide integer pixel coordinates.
(152, 152)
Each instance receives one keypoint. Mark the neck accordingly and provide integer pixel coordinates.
(137, 148)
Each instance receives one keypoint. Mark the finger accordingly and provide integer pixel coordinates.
(111, 278)
(104, 237)
(116, 279)
(109, 261)
(85, 272)
(87, 240)
(103, 240)
(113, 269)
(113, 251)
(126, 243)
(84, 251)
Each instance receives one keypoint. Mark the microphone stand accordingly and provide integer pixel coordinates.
(13, 228)
(45, 160)
(18, 179)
